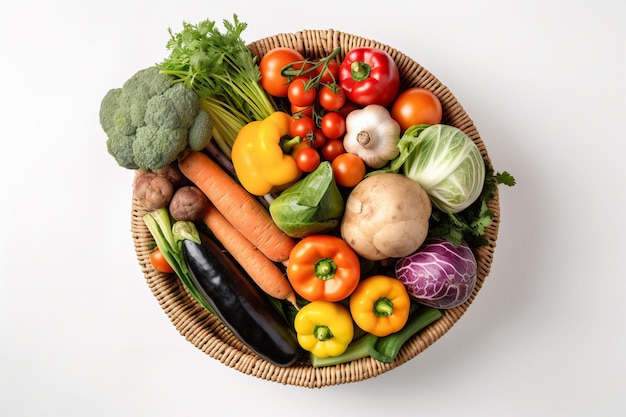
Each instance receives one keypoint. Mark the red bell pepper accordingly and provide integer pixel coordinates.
(323, 268)
(369, 76)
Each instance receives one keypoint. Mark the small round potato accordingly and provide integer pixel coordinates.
(386, 216)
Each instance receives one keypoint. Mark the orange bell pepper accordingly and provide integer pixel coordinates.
(323, 268)
(380, 305)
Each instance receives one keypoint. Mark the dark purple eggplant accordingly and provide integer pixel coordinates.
(239, 304)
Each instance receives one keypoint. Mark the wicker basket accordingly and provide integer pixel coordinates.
(209, 335)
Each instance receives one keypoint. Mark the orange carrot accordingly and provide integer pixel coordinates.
(241, 209)
(262, 271)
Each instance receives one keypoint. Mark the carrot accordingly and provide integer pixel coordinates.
(262, 271)
(241, 209)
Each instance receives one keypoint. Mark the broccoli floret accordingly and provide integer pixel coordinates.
(139, 88)
(176, 108)
(120, 146)
(201, 131)
(156, 147)
(148, 120)
(108, 109)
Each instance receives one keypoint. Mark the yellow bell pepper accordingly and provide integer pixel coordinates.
(380, 305)
(324, 328)
(258, 159)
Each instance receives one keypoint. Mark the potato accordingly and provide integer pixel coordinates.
(152, 190)
(386, 216)
(188, 203)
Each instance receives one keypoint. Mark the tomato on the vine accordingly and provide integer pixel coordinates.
(159, 262)
(333, 148)
(331, 97)
(319, 139)
(330, 74)
(271, 66)
(307, 159)
(416, 106)
(348, 169)
(348, 107)
(301, 126)
(333, 125)
(298, 111)
(301, 93)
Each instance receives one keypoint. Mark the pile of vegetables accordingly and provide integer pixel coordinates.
(311, 205)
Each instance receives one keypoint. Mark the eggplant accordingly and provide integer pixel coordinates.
(239, 303)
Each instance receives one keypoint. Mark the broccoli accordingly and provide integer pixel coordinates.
(155, 147)
(149, 119)
(201, 131)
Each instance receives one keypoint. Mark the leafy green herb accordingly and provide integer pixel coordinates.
(220, 68)
(505, 178)
(470, 224)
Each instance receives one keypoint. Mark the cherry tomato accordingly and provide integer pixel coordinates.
(307, 159)
(271, 66)
(298, 111)
(298, 147)
(333, 148)
(348, 107)
(333, 125)
(159, 262)
(330, 73)
(301, 93)
(319, 139)
(348, 169)
(416, 106)
(331, 97)
(301, 126)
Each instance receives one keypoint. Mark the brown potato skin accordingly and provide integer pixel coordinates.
(188, 203)
(152, 191)
(386, 216)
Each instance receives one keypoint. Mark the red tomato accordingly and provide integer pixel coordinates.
(271, 66)
(348, 169)
(307, 159)
(301, 93)
(301, 126)
(319, 139)
(416, 106)
(333, 125)
(298, 111)
(330, 73)
(331, 97)
(333, 148)
(159, 262)
(348, 107)
(298, 147)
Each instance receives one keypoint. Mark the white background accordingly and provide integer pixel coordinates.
(81, 334)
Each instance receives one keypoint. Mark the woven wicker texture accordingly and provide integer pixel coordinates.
(209, 335)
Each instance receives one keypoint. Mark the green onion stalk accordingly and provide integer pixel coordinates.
(168, 237)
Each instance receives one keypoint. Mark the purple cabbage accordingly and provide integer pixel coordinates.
(439, 274)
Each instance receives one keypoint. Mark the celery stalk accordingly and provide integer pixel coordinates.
(383, 349)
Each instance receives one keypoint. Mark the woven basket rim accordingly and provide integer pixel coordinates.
(205, 332)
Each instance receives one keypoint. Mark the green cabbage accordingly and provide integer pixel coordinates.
(445, 162)
(312, 205)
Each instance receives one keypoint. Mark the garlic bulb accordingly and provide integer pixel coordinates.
(373, 135)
